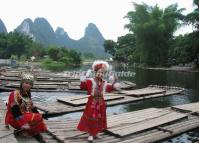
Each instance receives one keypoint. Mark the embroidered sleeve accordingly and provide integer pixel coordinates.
(83, 86)
(13, 105)
(109, 87)
(86, 86)
(112, 87)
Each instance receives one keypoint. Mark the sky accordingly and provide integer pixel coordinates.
(75, 15)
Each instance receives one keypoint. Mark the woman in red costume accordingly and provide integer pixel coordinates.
(93, 119)
(21, 112)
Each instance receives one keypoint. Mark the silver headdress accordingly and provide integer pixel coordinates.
(27, 76)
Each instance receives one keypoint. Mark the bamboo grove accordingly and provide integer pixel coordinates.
(151, 40)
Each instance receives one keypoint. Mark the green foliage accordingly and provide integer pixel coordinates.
(54, 53)
(13, 57)
(153, 29)
(185, 49)
(3, 44)
(69, 57)
(179, 51)
(193, 38)
(53, 65)
(152, 42)
(37, 50)
(193, 44)
(18, 43)
(110, 47)
(46, 61)
(75, 56)
(193, 17)
(23, 58)
(88, 55)
(123, 49)
(14, 43)
(19, 46)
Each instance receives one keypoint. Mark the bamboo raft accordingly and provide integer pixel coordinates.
(77, 103)
(52, 84)
(3, 130)
(48, 82)
(49, 86)
(42, 78)
(142, 126)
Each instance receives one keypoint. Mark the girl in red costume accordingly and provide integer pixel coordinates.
(93, 119)
(21, 112)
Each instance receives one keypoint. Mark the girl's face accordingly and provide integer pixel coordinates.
(26, 85)
(100, 73)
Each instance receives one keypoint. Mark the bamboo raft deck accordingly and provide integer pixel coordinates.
(3, 129)
(142, 126)
(48, 82)
(51, 85)
(77, 103)
(191, 107)
(8, 89)
(41, 78)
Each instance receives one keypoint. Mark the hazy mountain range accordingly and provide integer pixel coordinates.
(41, 31)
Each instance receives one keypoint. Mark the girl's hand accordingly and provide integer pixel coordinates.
(117, 86)
(25, 126)
(88, 73)
(83, 78)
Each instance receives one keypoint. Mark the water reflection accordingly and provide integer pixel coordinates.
(171, 78)
(187, 80)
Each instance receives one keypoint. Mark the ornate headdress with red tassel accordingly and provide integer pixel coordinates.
(100, 65)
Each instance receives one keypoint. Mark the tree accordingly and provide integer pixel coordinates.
(110, 47)
(125, 48)
(75, 56)
(193, 19)
(54, 52)
(153, 29)
(18, 43)
(14, 43)
(89, 55)
(3, 44)
(179, 52)
(37, 50)
(122, 49)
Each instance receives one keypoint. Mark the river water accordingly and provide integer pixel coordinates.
(143, 78)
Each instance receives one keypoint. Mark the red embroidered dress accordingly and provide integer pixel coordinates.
(19, 114)
(93, 119)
